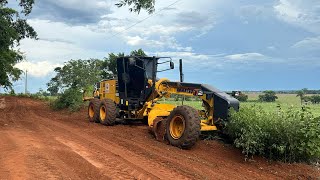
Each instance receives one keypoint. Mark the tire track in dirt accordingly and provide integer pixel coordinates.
(121, 161)
(120, 158)
(171, 163)
(194, 164)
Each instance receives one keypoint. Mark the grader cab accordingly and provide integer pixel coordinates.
(135, 95)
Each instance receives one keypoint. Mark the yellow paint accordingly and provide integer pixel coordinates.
(103, 113)
(177, 126)
(91, 111)
(158, 110)
(205, 127)
(108, 90)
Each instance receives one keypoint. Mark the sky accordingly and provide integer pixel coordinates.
(232, 45)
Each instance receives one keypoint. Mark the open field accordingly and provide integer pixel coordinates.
(38, 143)
(284, 100)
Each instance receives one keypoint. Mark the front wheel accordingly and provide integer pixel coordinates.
(183, 127)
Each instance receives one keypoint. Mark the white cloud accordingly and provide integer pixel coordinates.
(139, 41)
(188, 56)
(37, 69)
(59, 42)
(311, 43)
(161, 30)
(255, 12)
(271, 48)
(246, 56)
(305, 14)
(164, 42)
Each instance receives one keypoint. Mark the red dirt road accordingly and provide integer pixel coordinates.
(37, 143)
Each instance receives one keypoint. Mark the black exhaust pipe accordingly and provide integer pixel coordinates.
(181, 72)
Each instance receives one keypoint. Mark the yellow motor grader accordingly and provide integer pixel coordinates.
(135, 95)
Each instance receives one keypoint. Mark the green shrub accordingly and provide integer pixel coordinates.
(315, 99)
(290, 136)
(242, 97)
(70, 98)
(268, 96)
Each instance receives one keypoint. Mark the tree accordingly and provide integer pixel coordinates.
(138, 52)
(305, 90)
(301, 94)
(137, 5)
(75, 74)
(70, 79)
(13, 28)
(268, 96)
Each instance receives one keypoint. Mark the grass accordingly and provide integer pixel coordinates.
(285, 101)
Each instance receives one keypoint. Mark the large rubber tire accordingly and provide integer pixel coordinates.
(183, 127)
(108, 112)
(93, 110)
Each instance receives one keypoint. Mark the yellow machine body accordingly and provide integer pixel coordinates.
(151, 109)
(135, 95)
(106, 89)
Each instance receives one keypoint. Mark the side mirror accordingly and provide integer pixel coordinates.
(171, 65)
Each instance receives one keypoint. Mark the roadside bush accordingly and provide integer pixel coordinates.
(242, 97)
(290, 136)
(70, 98)
(307, 99)
(315, 99)
(268, 96)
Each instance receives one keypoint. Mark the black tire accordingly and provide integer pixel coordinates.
(108, 112)
(191, 123)
(93, 110)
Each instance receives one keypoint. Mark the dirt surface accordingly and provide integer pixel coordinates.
(37, 143)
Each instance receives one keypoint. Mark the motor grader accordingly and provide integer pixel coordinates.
(135, 93)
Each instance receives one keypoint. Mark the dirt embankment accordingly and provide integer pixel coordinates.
(37, 143)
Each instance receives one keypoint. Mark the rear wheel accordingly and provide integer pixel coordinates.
(183, 127)
(93, 110)
(108, 112)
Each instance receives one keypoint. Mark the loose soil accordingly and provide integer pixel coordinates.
(38, 143)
